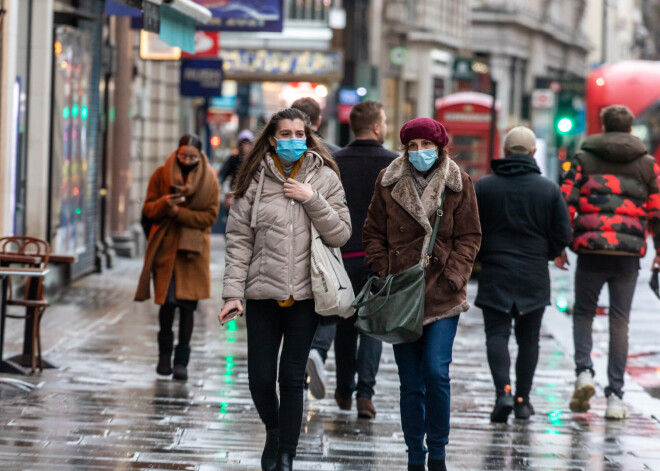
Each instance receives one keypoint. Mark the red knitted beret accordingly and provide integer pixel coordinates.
(424, 128)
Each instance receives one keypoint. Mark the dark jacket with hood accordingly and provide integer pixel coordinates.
(524, 224)
(359, 163)
(612, 194)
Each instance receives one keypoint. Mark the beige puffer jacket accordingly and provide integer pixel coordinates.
(268, 235)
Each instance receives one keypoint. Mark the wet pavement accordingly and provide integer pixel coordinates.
(106, 409)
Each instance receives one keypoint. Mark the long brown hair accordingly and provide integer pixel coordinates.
(261, 146)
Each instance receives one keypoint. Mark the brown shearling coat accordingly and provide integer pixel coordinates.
(189, 228)
(399, 226)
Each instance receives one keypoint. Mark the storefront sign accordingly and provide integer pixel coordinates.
(463, 68)
(348, 96)
(201, 77)
(244, 15)
(283, 65)
(125, 8)
(207, 44)
(543, 98)
(153, 48)
(344, 113)
(223, 102)
(151, 17)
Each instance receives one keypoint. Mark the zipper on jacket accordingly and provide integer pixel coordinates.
(291, 235)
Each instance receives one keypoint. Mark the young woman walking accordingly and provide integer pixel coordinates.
(181, 206)
(267, 271)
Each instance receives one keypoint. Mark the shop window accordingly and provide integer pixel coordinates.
(71, 147)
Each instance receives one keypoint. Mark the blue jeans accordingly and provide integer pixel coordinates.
(425, 391)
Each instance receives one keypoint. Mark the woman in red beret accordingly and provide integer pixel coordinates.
(396, 236)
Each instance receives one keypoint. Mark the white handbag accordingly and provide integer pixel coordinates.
(331, 286)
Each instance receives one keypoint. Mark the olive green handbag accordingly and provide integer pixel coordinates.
(391, 308)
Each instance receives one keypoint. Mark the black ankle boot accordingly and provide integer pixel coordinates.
(269, 456)
(502, 409)
(284, 461)
(181, 357)
(523, 408)
(416, 467)
(437, 465)
(165, 344)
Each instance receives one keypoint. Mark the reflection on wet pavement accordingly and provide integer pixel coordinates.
(106, 409)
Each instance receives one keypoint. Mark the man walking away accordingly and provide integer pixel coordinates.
(311, 108)
(359, 163)
(524, 224)
(612, 195)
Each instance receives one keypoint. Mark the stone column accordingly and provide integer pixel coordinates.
(501, 72)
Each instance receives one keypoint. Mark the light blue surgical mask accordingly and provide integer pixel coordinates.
(423, 159)
(291, 149)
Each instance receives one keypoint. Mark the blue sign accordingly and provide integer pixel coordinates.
(112, 7)
(201, 77)
(244, 15)
(223, 102)
(348, 96)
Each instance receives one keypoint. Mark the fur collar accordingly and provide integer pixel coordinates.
(404, 192)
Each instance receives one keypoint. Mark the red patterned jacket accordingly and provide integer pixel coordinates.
(612, 194)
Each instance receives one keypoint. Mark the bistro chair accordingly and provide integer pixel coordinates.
(33, 300)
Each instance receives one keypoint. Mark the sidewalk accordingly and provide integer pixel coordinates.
(106, 409)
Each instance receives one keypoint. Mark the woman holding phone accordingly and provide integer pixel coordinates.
(182, 204)
(267, 269)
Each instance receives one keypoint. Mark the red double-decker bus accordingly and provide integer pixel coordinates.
(635, 84)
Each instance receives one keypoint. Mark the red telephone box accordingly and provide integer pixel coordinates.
(467, 115)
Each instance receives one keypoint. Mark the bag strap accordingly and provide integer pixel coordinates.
(439, 214)
(309, 176)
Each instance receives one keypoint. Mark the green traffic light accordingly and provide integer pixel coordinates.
(564, 125)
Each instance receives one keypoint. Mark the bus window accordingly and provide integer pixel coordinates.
(647, 127)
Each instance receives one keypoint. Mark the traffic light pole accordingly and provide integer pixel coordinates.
(493, 119)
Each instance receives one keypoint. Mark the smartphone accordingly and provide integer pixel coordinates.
(230, 317)
(176, 189)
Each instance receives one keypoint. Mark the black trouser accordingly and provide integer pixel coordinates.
(351, 359)
(498, 330)
(267, 324)
(186, 321)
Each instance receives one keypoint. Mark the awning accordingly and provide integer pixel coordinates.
(176, 24)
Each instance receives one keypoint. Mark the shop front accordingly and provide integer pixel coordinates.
(74, 210)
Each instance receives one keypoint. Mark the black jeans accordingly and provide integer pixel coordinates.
(186, 321)
(267, 324)
(498, 330)
(351, 359)
(588, 285)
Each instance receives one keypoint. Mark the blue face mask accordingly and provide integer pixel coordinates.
(291, 149)
(423, 159)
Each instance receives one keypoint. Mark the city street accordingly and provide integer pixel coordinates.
(105, 408)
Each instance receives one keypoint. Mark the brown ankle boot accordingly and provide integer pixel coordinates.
(344, 404)
(365, 407)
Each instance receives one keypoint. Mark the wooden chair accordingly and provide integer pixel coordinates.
(36, 253)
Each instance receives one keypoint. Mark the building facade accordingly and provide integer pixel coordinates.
(522, 41)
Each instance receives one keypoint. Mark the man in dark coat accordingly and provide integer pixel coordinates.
(359, 163)
(311, 108)
(524, 224)
(612, 195)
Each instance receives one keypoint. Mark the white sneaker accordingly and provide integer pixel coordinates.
(316, 372)
(584, 389)
(616, 409)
